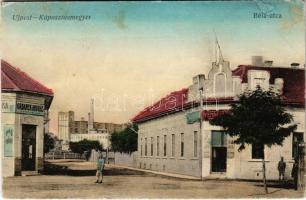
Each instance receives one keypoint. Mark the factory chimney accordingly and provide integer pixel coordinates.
(91, 116)
(257, 61)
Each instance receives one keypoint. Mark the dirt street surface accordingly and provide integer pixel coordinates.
(70, 179)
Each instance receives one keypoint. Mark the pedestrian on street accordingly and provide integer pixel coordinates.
(100, 168)
(281, 169)
(294, 172)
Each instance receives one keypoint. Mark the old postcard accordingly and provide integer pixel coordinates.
(154, 99)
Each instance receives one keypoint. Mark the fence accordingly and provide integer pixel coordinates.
(63, 155)
(124, 159)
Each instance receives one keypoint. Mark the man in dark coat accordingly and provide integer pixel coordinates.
(294, 173)
(281, 169)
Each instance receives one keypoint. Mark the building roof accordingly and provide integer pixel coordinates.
(293, 92)
(13, 79)
(294, 81)
(172, 102)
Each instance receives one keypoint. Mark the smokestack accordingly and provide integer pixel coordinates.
(91, 116)
(92, 110)
(295, 65)
(257, 61)
(89, 122)
(268, 63)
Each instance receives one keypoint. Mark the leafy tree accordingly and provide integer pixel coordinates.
(48, 143)
(258, 118)
(125, 140)
(85, 146)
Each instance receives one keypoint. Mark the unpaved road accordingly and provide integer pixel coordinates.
(121, 183)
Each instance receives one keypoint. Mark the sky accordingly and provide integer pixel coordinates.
(130, 54)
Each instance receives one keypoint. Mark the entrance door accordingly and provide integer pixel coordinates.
(219, 159)
(219, 151)
(28, 147)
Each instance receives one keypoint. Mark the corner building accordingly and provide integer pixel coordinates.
(24, 113)
(175, 135)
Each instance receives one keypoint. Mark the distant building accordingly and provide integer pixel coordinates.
(175, 134)
(65, 121)
(74, 131)
(24, 120)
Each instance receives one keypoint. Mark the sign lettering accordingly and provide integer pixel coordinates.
(26, 108)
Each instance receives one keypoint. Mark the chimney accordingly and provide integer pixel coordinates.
(295, 65)
(89, 122)
(257, 61)
(268, 63)
(92, 110)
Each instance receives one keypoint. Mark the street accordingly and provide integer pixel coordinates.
(123, 183)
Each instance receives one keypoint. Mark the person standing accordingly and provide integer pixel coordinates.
(281, 169)
(294, 172)
(100, 168)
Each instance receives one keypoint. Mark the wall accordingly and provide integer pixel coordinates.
(168, 125)
(12, 164)
(242, 166)
(126, 159)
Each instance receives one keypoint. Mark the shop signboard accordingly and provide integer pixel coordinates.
(30, 105)
(7, 105)
(30, 109)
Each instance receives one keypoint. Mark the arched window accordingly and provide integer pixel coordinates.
(220, 84)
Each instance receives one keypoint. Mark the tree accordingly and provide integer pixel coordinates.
(85, 146)
(258, 118)
(48, 143)
(125, 140)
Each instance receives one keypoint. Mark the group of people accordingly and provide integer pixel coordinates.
(294, 173)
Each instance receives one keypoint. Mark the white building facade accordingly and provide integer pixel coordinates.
(175, 135)
(102, 137)
(25, 104)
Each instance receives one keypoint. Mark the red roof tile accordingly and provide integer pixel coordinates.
(294, 80)
(13, 79)
(172, 102)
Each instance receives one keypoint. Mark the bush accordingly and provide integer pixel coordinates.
(125, 141)
(85, 146)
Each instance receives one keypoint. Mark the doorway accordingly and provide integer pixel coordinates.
(28, 150)
(218, 151)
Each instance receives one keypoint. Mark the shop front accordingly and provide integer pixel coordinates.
(25, 103)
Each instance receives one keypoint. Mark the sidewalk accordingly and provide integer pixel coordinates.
(156, 172)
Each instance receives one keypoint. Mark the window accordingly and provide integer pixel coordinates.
(182, 144)
(258, 78)
(195, 143)
(296, 139)
(157, 146)
(165, 145)
(146, 148)
(75, 130)
(151, 146)
(257, 151)
(218, 139)
(173, 145)
(140, 147)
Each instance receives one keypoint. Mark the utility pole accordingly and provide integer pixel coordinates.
(201, 132)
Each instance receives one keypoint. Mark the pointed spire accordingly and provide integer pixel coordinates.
(218, 52)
